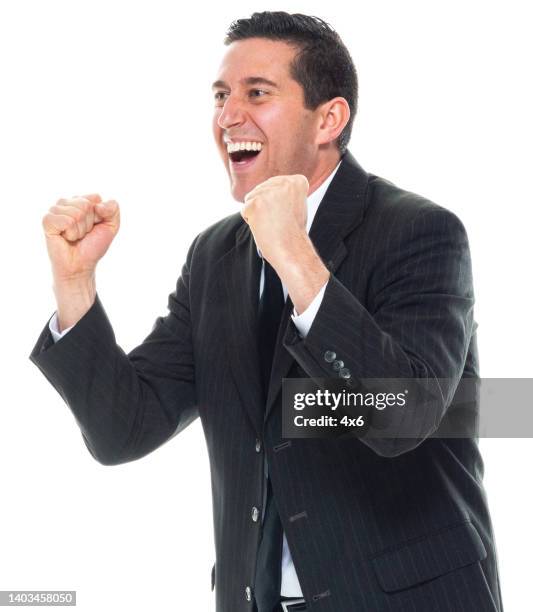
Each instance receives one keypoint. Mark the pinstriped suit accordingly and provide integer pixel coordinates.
(373, 525)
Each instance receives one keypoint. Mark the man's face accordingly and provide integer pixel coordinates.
(258, 102)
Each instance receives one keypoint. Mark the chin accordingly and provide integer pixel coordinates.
(239, 189)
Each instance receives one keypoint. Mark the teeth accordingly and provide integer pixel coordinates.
(243, 146)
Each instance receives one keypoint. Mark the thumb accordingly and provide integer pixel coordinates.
(106, 210)
(108, 213)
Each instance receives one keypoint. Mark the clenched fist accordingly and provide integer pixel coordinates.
(78, 233)
(276, 211)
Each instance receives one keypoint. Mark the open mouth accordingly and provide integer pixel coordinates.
(242, 156)
(243, 153)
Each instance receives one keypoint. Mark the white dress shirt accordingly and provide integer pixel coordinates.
(290, 586)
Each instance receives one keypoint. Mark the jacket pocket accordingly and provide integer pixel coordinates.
(423, 559)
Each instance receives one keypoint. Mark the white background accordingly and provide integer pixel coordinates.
(115, 98)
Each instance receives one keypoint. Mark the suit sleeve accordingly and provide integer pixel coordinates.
(417, 323)
(126, 405)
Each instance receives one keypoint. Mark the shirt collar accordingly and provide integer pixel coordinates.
(314, 200)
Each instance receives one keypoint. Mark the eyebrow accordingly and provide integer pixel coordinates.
(253, 80)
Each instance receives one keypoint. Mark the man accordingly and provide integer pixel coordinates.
(327, 271)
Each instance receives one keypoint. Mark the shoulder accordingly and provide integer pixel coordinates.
(217, 239)
(221, 235)
(392, 207)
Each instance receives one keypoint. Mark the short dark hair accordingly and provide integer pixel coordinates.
(323, 66)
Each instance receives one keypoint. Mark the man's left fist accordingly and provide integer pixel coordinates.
(276, 211)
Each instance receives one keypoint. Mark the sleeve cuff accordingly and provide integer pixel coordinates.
(304, 321)
(54, 328)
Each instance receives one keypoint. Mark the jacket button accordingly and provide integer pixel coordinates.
(344, 373)
(337, 365)
(257, 445)
(329, 356)
(255, 514)
(248, 593)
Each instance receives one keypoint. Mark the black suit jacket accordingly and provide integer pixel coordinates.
(372, 524)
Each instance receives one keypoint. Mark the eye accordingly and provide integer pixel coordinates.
(257, 93)
(220, 96)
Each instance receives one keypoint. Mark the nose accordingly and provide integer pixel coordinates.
(232, 113)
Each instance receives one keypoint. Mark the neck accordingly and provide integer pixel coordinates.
(322, 170)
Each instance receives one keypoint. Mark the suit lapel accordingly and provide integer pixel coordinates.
(339, 213)
(239, 285)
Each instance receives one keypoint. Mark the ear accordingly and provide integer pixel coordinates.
(332, 119)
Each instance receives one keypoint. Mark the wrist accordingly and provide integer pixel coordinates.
(295, 250)
(74, 297)
(79, 285)
(303, 276)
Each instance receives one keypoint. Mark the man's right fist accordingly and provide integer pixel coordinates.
(78, 233)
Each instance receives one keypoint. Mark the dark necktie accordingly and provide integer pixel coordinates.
(268, 570)
(270, 308)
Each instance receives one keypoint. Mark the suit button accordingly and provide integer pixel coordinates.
(329, 356)
(337, 365)
(248, 593)
(255, 514)
(257, 445)
(344, 373)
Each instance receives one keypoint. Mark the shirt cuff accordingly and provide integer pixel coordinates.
(304, 321)
(54, 328)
